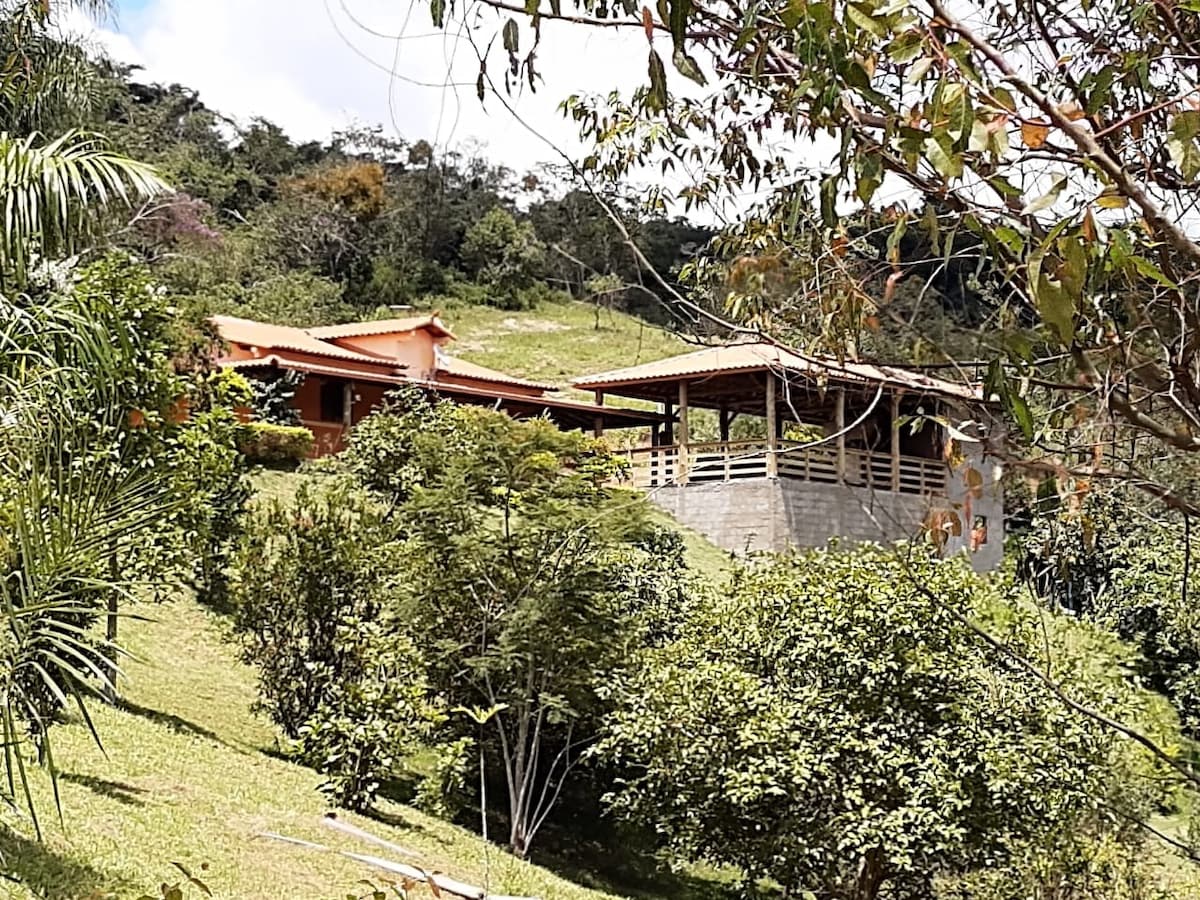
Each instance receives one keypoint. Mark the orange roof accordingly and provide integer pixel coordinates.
(760, 356)
(460, 367)
(382, 326)
(283, 337)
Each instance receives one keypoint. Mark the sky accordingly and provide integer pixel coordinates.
(314, 66)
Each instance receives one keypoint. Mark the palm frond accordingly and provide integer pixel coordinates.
(50, 191)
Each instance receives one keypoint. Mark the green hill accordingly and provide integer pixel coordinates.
(558, 341)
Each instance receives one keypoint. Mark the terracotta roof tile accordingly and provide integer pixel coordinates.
(284, 337)
(758, 355)
(381, 326)
(460, 367)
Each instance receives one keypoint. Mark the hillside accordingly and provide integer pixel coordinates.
(557, 342)
(189, 775)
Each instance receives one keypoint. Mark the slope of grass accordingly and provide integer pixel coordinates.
(558, 341)
(187, 775)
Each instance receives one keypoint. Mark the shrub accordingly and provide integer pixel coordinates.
(834, 726)
(303, 574)
(270, 444)
(208, 475)
(369, 722)
(272, 396)
(315, 585)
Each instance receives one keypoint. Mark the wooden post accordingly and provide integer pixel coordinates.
(895, 445)
(682, 468)
(669, 424)
(772, 428)
(598, 425)
(839, 424)
(348, 404)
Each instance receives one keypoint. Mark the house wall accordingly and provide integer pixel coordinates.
(414, 349)
(778, 514)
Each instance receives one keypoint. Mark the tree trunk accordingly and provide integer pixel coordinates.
(110, 630)
(870, 876)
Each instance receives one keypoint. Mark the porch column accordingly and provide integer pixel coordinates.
(895, 445)
(723, 424)
(598, 426)
(839, 424)
(772, 428)
(347, 404)
(681, 469)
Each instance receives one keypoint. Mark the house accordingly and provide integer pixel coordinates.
(845, 450)
(348, 369)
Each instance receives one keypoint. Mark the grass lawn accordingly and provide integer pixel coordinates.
(187, 774)
(558, 341)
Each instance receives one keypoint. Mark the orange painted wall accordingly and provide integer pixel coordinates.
(413, 349)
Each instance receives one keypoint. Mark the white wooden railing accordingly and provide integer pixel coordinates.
(735, 460)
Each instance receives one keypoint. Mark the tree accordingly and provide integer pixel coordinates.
(1062, 138)
(831, 726)
(73, 507)
(502, 254)
(518, 569)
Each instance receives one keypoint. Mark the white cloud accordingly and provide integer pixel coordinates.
(313, 66)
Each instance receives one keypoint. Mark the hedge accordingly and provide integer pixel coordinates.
(262, 442)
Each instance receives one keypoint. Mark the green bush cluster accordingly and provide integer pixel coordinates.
(273, 445)
(315, 585)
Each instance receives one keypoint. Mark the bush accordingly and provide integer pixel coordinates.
(834, 726)
(315, 588)
(270, 444)
(360, 734)
(303, 573)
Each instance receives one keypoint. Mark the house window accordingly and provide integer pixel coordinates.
(333, 401)
(979, 532)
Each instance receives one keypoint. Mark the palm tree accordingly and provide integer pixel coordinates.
(68, 512)
(52, 189)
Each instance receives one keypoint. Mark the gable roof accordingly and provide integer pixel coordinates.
(381, 326)
(460, 367)
(753, 356)
(284, 337)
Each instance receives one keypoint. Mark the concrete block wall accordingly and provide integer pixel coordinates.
(777, 514)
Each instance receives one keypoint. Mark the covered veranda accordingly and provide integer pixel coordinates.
(823, 420)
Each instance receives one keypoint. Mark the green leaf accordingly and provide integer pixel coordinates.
(863, 17)
(940, 151)
(1181, 143)
(794, 13)
(511, 36)
(437, 9)
(980, 137)
(905, 48)
(687, 67)
(657, 98)
(870, 175)
(829, 201)
(1054, 304)
(1047, 199)
(1073, 271)
(680, 11)
(1145, 267)
(919, 69)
